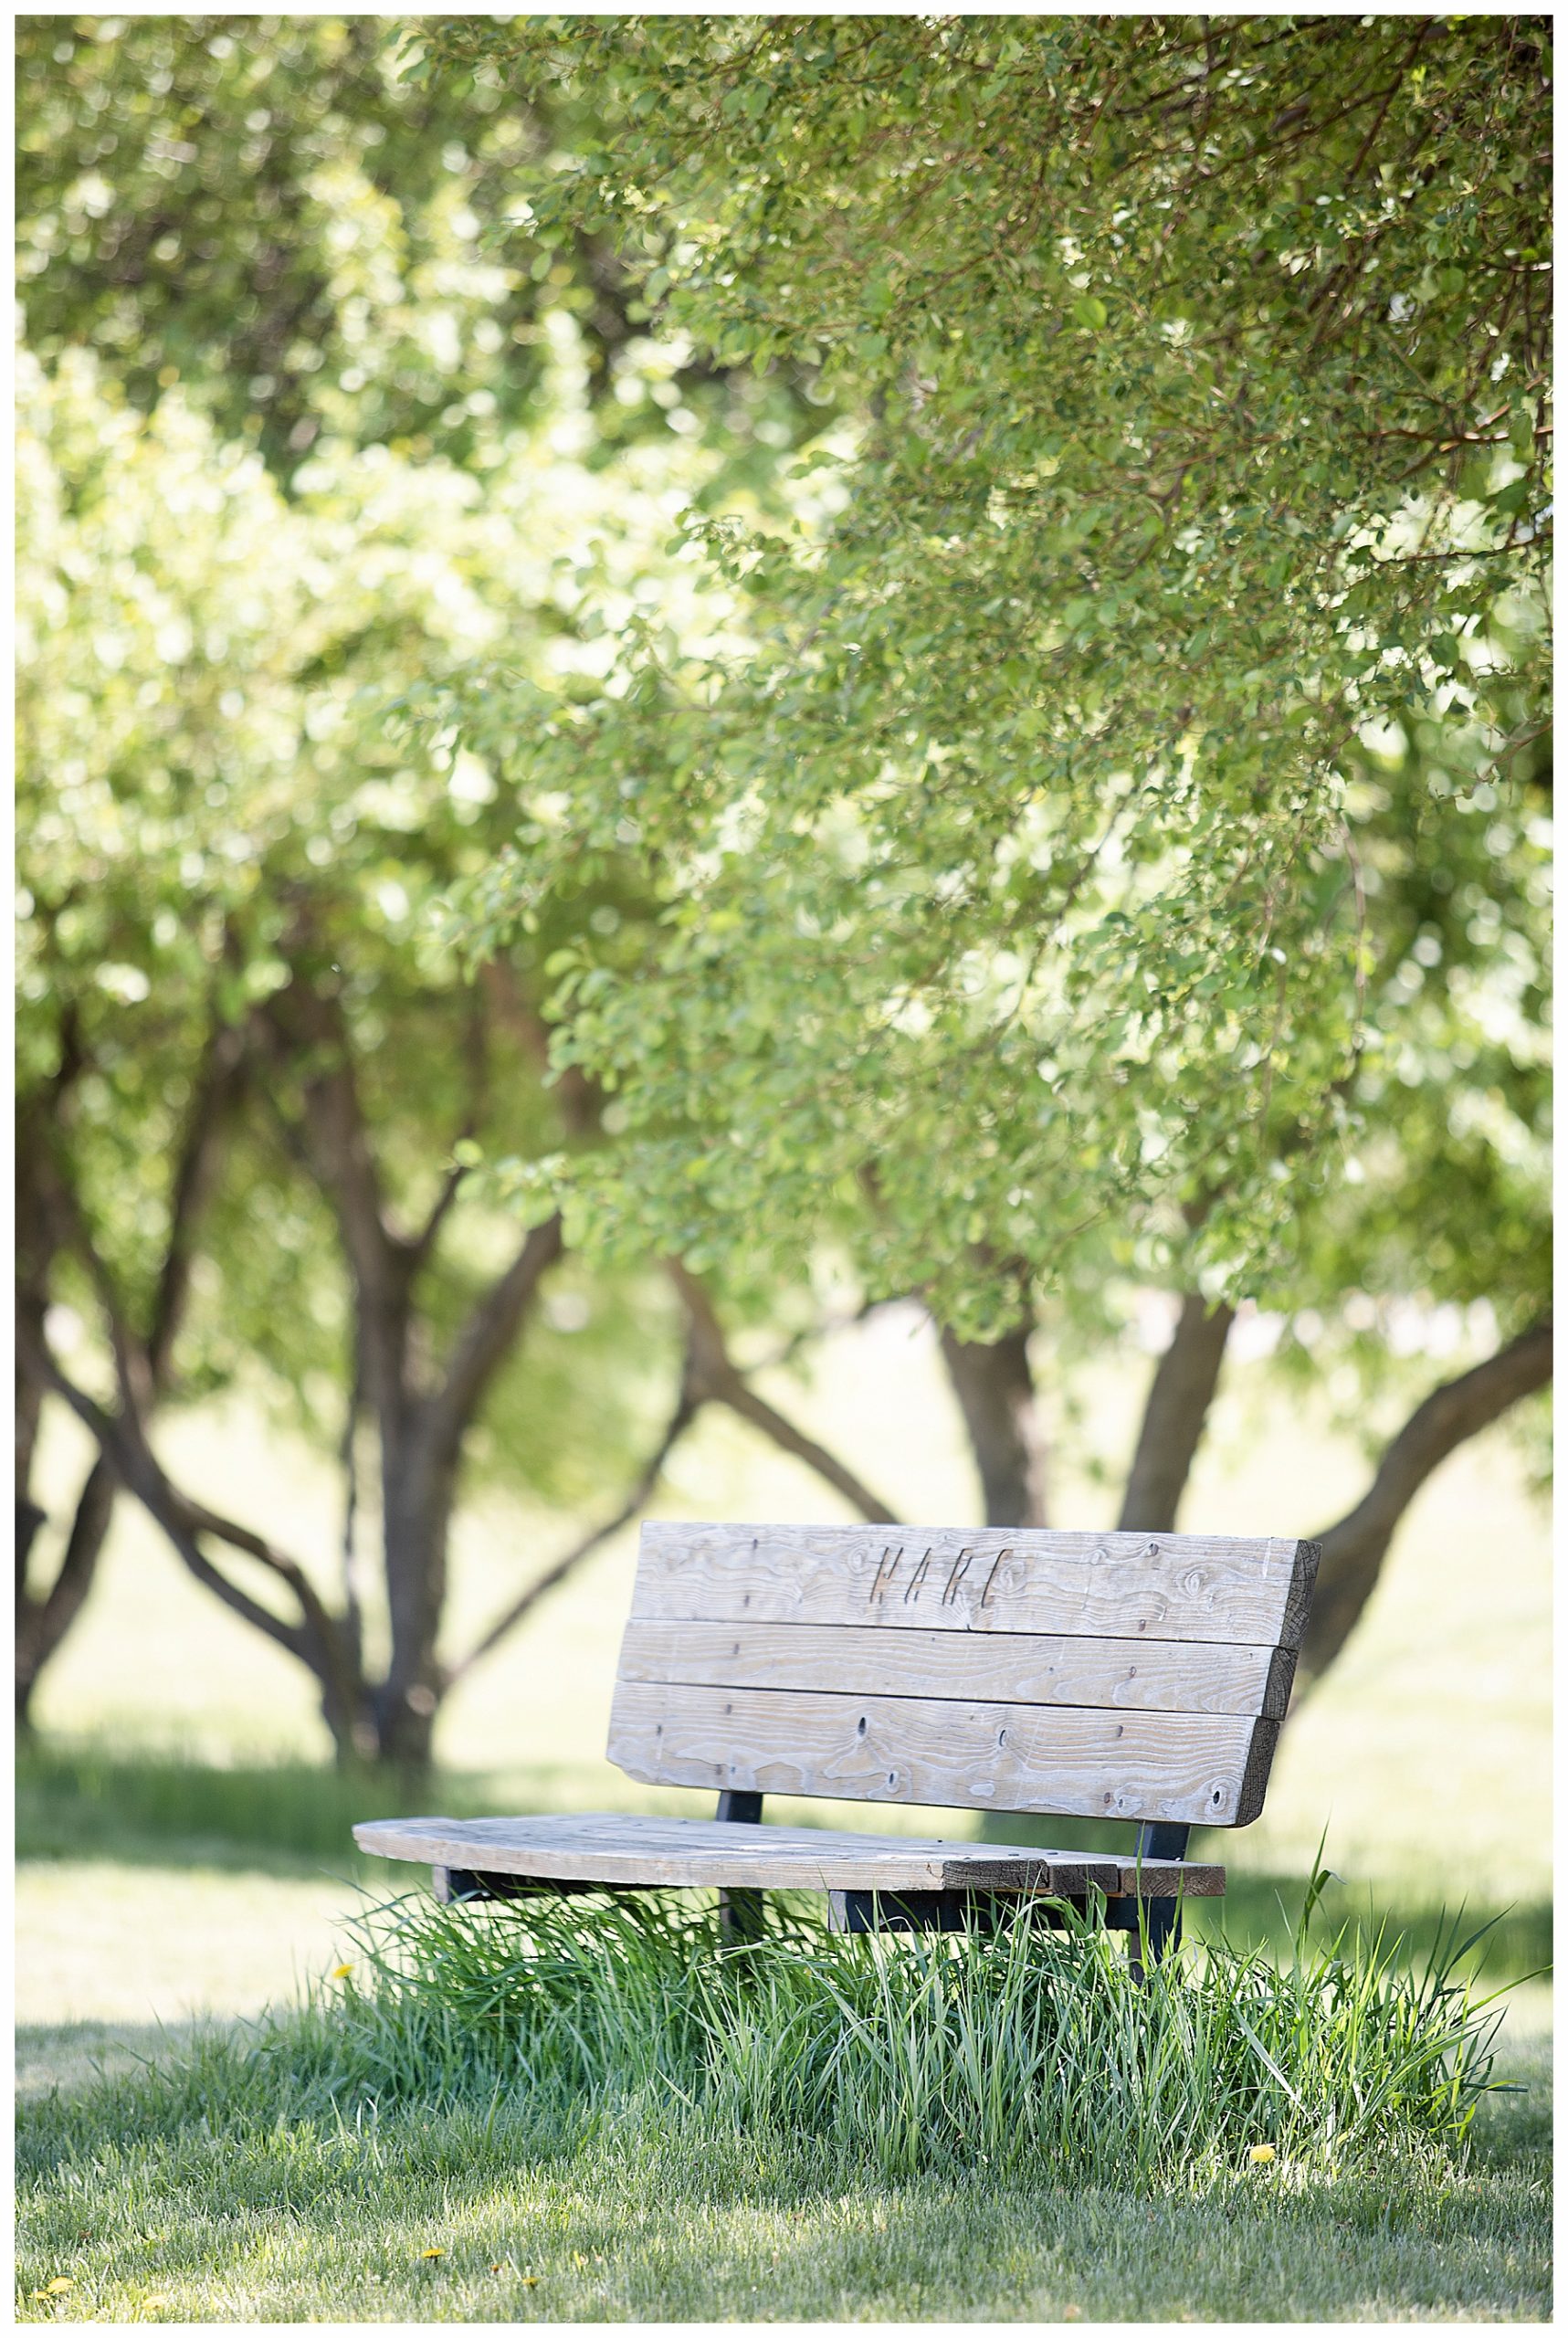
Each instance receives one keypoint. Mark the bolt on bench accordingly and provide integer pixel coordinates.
(1102, 1676)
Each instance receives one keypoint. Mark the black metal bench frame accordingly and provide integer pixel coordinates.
(1155, 1921)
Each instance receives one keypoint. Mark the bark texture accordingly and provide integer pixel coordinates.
(1355, 1548)
(996, 1392)
(1185, 1379)
(43, 1620)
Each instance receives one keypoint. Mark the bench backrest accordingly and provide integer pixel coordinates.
(1106, 1676)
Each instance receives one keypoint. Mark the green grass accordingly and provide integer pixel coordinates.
(612, 2121)
(299, 2169)
(87, 1799)
(185, 1854)
(909, 2056)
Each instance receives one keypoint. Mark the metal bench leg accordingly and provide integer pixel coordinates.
(741, 1912)
(1162, 1919)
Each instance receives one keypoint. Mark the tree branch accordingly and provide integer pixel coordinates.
(482, 1345)
(1179, 1398)
(684, 1413)
(476, 1060)
(1354, 1549)
(425, 1241)
(305, 1021)
(715, 1378)
(138, 1470)
(42, 1623)
(218, 1088)
(36, 1233)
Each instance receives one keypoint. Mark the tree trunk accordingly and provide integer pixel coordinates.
(1355, 1549)
(405, 1730)
(42, 1624)
(996, 1392)
(33, 1254)
(417, 1489)
(1179, 1398)
(29, 1517)
(370, 1727)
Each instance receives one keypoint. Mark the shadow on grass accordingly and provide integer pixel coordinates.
(458, 2213)
(85, 1801)
(286, 1818)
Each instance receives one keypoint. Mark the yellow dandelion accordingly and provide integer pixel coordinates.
(531, 2280)
(57, 2288)
(1261, 2153)
(342, 1972)
(432, 2252)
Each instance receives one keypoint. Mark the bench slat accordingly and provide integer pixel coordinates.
(614, 1848)
(1198, 1768)
(999, 1667)
(1200, 1587)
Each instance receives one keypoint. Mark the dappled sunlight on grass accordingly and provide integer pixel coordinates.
(184, 1847)
(329, 2219)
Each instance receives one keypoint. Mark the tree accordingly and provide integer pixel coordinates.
(263, 210)
(271, 246)
(225, 855)
(1119, 819)
(252, 1090)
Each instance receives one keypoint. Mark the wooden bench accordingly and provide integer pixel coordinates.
(1129, 1677)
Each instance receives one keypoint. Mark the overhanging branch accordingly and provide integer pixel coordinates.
(641, 1493)
(717, 1378)
(1355, 1549)
(482, 1344)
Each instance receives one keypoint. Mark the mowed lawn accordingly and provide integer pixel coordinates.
(185, 1861)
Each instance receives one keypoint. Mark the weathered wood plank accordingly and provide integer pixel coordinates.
(613, 1849)
(610, 1848)
(1001, 1667)
(1131, 1586)
(1196, 1767)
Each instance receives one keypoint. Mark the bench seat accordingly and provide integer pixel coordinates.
(1112, 1676)
(622, 1852)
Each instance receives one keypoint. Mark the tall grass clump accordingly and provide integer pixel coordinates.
(1037, 2050)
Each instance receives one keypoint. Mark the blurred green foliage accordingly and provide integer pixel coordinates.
(1113, 851)
(959, 602)
(289, 444)
(264, 210)
(214, 802)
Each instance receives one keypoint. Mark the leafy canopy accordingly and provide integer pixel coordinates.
(1034, 887)
(213, 802)
(262, 210)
